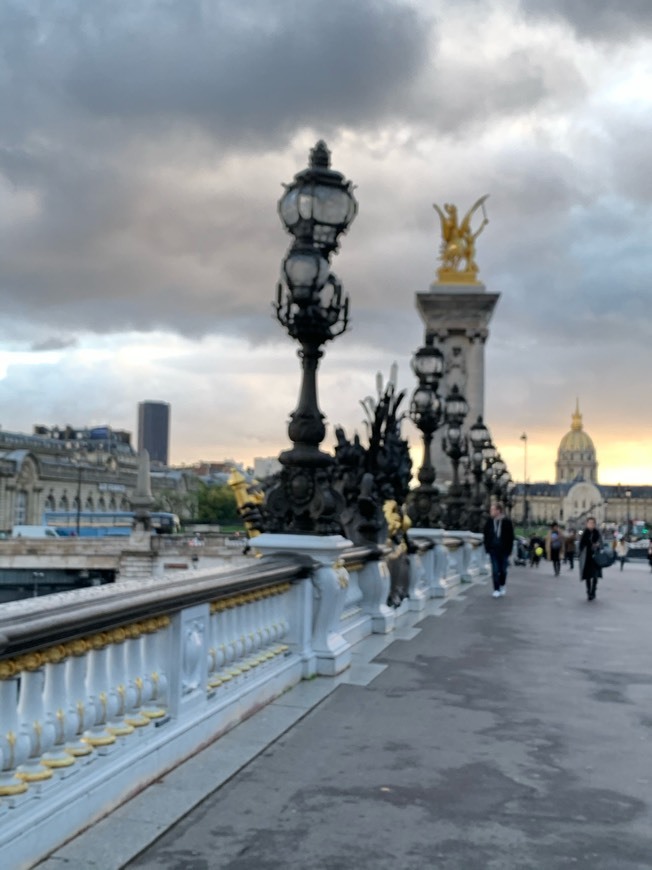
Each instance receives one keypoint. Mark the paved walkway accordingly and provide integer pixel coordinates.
(498, 734)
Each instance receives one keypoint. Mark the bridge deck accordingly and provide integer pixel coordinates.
(511, 733)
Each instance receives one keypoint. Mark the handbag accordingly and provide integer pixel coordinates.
(604, 558)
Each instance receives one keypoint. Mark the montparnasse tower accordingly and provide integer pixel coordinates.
(576, 457)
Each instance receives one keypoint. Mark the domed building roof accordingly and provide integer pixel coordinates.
(576, 458)
(576, 440)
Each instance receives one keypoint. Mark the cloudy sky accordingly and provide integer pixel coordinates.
(142, 149)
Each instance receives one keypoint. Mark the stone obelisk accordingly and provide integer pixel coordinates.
(456, 311)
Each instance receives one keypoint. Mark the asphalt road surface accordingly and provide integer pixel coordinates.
(508, 733)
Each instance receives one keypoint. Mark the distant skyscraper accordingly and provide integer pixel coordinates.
(154, 430)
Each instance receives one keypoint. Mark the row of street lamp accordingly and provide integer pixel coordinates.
(316, 208)
(485, 474)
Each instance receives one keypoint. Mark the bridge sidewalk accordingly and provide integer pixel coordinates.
(511, 733)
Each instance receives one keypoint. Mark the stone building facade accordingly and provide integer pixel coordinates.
(58, 468)
(576, 494)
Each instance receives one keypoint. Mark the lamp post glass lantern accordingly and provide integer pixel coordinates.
(316, 208)
(426, 413)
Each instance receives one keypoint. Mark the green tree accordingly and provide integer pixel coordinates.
(216, 504)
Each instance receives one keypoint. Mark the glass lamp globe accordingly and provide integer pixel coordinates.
(319, 204)
(428, 364)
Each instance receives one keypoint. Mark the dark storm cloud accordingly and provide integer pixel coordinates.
(107, 105)
(239, 70)
(53, 343)
(596, 19)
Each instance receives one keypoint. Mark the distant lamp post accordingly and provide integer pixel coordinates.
(480, 438)
(525, 505)
(628, 496)
(455, 446)
(423, 506)
(489, 454)
(316, 208)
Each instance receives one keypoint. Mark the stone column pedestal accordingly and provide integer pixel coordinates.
(330, 581)
(434, 561)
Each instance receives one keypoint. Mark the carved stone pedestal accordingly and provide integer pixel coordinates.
(332, 654)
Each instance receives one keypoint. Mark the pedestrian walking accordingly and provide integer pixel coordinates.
(554, 547)
(622, 548)
(590, 571)
(498, 542)
(569, 548)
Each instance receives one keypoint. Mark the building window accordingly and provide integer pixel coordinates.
(50, 503)
(63, 503)
(112, 504)
(124, 505)
(20, 508)
(89, 506)
(101, 505)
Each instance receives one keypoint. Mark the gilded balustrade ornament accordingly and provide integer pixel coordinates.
(55, 654)
(457, 250)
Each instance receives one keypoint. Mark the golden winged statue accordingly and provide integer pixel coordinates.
(457, 251)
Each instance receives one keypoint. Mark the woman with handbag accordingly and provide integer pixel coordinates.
(590, 545)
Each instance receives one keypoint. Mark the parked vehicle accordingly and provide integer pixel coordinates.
(34, 532)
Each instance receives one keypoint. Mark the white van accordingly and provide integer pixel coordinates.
(34, 532)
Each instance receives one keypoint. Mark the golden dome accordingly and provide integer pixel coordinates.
(576, 440)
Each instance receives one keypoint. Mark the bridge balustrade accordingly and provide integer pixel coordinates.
(102, 690)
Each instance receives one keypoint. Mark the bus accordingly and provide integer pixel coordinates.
(100, 524)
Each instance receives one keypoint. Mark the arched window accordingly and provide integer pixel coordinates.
(89, 506)
(101, 505)
(50, 503)
(20, 508)
(63, 503)
(124, 504)
(112, 504)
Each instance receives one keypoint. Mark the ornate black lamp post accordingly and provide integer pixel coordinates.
(489, 454)
(423, 505)
(316, 208)
(480, 438)
(496, 470)
(455, 447)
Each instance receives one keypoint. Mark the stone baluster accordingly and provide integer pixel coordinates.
(225, 652)
(279, 627)
(31, 715)
(15, 744)
(117, 723)
(231, 641)
(259, 622)
(155, 665)
(237, 640)
(139, 686)
(57, 705)
(215, 658)
(76, 668)
(266, 620)
(105, 703)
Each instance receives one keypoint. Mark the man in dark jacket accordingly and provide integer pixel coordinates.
(498, 542)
